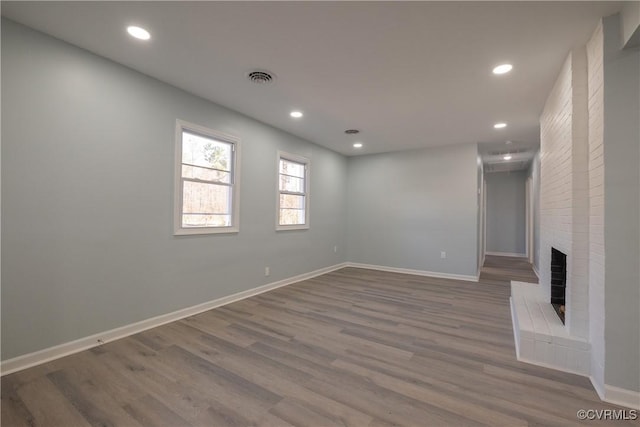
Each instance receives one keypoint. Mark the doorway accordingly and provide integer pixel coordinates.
(529, 220)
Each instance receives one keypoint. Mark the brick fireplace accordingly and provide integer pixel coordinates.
(559, 337)
(588, 123)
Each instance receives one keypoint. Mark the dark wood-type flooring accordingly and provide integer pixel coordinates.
(354, 347)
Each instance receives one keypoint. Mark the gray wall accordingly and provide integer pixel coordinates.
(506, 213)
(534, 173)
(87, 183)
(622, 209)
(406, 207)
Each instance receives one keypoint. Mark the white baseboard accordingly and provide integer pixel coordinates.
(598, 387)
(42, 356)
(516, 329)
(467, 278)
(511, 254)
(621, 396)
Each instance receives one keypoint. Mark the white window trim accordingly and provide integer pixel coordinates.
(307, 199)
(178, 230)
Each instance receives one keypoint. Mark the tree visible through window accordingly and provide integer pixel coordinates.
(293, 192)
(207, 182)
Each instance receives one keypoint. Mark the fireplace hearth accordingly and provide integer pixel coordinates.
(558, 281)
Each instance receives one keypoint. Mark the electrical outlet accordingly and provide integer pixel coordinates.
(335, 249)
(443, 254)
(267, 271)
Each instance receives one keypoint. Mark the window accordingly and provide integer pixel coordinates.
(206, 192)
(293, 192)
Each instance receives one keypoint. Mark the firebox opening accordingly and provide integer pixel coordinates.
(558, 281)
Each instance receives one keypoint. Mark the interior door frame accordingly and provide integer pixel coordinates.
(483, 220)
(529, 218)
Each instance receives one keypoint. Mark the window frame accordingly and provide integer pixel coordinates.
(282, 155)
(178, 229)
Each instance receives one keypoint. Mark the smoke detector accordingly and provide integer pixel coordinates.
(261, 77)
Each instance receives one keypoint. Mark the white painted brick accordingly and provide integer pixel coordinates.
(526, 348)
(543, 352)
(565, 185)
(561, 355)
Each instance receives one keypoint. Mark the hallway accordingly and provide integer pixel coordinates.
(499, 269)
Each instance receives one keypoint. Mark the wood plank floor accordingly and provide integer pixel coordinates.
(351, 348)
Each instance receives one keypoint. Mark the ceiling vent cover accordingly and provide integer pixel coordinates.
(261, 77)
(503, 152)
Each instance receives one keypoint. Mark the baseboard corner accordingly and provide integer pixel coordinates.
(598, 387)
(535, 271)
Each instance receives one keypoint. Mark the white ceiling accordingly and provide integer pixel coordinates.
(407, 74)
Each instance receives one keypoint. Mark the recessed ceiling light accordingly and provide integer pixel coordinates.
(507, 157)
(509, 142)
(502, 69)
(139, 33)
(357, 145)
(296, 114)
(500, 125)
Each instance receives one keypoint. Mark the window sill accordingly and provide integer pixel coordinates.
(205, 230)
(292, 227)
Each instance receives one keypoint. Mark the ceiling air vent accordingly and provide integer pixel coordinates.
(503, 152)
(261, 77)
